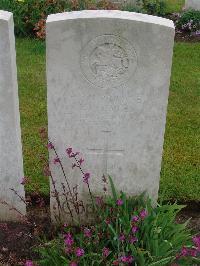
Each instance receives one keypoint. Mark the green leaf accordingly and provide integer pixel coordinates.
(162, 261)
(114, 193)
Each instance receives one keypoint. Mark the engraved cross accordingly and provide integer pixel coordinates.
(105, 151)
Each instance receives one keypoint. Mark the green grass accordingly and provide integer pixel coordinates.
(32, 94)
(180, 176)
(174, 5)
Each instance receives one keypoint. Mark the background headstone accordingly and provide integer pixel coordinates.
(192, 4)
(11, 165)
(108, 78)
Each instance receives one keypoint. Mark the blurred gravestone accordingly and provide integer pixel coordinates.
(192, 4)
(11, 165)
(108, 78)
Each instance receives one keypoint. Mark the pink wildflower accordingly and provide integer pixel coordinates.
(56, 160)
(134, 229)
(126, 259)
(184, 252)
(133, 239)
(81, 160)
(119, 202)
(68, 239)
(29, 263)
(79, 252)
(87, 232)
(69, 151)
(86, 177)
(99, 201)
(74, 154)
(135, 218)
(107, 221)
(23, 180)
(193, 252)
(143, 214)
(105, 252)
(196, 241)
(50, 146)
(73, 263)
(122, 238)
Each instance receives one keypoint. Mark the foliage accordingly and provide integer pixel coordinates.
(128, 232)
(30, 15)
(154, 7)
(188, 21)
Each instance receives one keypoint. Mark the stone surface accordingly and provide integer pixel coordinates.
(108, 78)
(192, 4)
(11, 166)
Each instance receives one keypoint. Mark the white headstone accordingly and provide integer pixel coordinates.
(192, 4)
(108, 82)
(11, 166)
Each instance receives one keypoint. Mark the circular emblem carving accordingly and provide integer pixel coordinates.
(108, 60)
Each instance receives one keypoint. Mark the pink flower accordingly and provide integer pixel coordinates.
(87, 232)
(128, 259)
(134, 229)
(135, 218)
(86, 177)
(73, 263)
(196, 241)
(23, 180)
(133, 239)
(105, 252)
(107, 221)
(74, 154)
(193, 252)
(184, 252)
(29, 263)
(143, 214)
(69, 151)
(122, 237)
(50, 146)
(119, 202)
(79, 252)
(81, 160)
(68, 239)
(99, 201)
(56, 160)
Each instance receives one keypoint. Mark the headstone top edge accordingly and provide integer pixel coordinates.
(110, 14)
(5, 15)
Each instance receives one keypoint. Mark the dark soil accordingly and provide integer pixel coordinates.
(185, 37)
(17, 240)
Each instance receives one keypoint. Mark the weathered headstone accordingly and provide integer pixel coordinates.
(192, 4)
(11, 166)
(108, 82)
